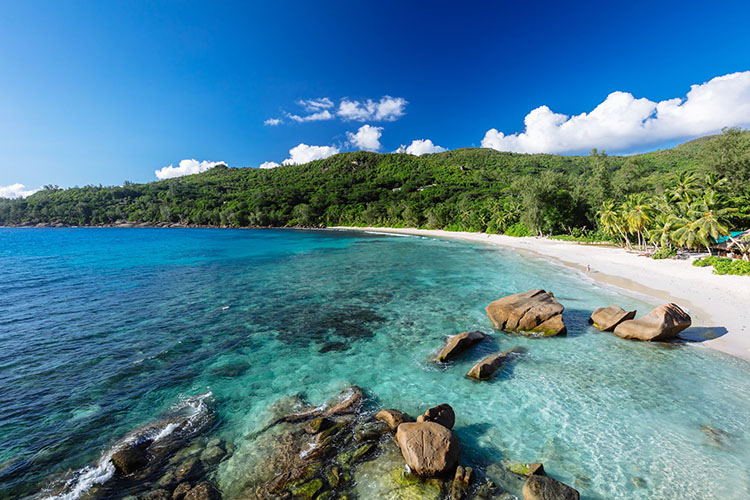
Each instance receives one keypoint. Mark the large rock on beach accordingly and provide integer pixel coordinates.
(545, 488)
(489, 365)
(535, 312)
(441, 414)
(663, 323)
(607, 318)
(458, 343)
(429, 448)
(393, 418)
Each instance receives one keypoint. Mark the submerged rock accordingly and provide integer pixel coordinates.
(203, 491)
(181, 490)
(489, 365)
(663, 323)
(607, 318)
(429, 449)
(461, 483)
(459, 343)
(524, 468)
(132, 458)
(546, 488)
(393, 418)
(535, 312)
(441, 414)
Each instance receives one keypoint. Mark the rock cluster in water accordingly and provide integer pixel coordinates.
(663, 323)
(535, 313)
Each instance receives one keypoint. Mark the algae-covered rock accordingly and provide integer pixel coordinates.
(370, 431)
(307, 490)
(203, 491)
(546, 488)
(317, 425)
(524, 468)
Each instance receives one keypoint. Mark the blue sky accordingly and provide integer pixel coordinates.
(102, 92)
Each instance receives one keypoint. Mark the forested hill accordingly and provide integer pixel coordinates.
(472, 189)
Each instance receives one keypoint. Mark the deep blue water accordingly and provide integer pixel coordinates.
(103, 330)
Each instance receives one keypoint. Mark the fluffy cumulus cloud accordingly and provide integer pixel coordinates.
(16, 191)
(367, 138)
(623, 123)
(387, 109)
(186, 167)
(303, 153)
(272, 122)
(269, 164)
(420, 147)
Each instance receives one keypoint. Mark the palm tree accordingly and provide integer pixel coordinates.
(611, 221)
(714, 183)
(661, 234)
(705, 222)
(686, 188)
(637, 214)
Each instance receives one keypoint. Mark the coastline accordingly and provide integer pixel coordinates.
(718, 304)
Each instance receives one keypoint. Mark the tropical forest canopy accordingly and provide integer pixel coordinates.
(630, 198)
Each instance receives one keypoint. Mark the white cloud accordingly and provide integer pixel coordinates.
(315, 117)
(622, 122)
(387, 109)
(272, 122)
(186, 167)
(269, 164)
(303, 153)
(367, 138)
(420, 147)
(16, 191)
(313, 105)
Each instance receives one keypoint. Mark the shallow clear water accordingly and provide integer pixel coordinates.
(103, 330)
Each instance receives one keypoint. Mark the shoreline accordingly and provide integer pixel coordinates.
(719, 305)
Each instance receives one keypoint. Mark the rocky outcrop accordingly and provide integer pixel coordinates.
(429, 448)
(456, 344)
(535, 312)
(607, 318)
(663, 323)
(393, 418)
(489, 365)
(545, 488)
(441, 414)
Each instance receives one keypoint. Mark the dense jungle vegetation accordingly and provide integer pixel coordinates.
(673, 197)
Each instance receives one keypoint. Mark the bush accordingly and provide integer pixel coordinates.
(518, 229)
(723, 265)
(665, 253)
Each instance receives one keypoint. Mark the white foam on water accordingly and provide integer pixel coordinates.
(87, 477)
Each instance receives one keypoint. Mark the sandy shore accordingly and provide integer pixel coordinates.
(718, 305)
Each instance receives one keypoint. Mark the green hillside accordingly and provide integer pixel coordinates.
(473, 189)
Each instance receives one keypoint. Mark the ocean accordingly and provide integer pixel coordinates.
(106, 330)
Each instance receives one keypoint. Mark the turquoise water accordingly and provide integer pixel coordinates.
(104, 330)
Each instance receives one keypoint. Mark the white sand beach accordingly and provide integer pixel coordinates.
(715, 302)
